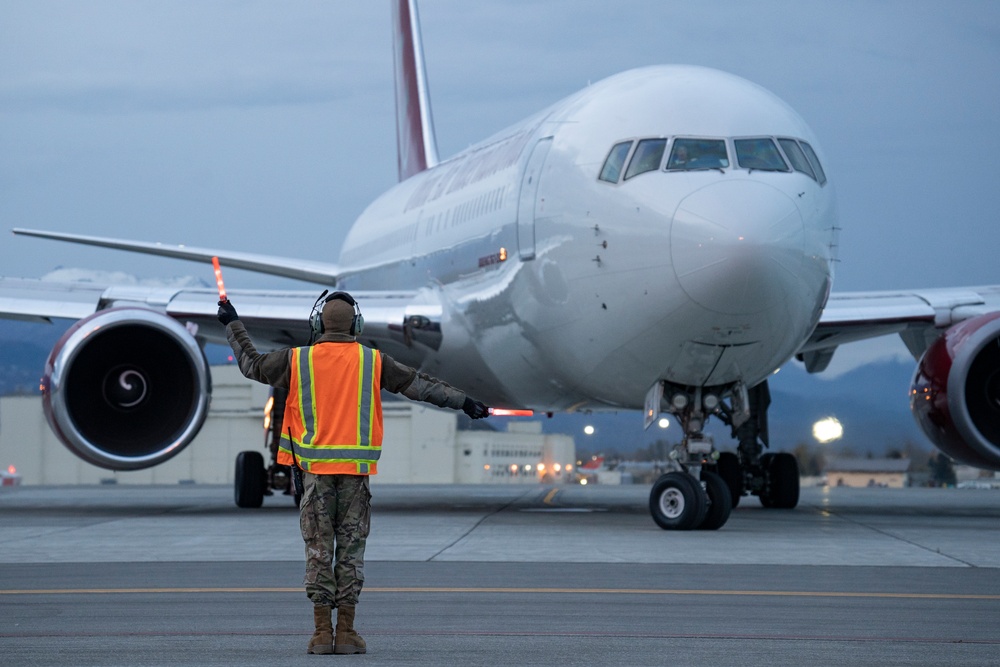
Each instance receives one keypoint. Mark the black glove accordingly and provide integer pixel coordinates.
(227, 313)
(475, 409)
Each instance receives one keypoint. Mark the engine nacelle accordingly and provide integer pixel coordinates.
(126, 389)
(955, 394)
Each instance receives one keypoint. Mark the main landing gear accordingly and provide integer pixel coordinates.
(253, 480)
(707, 484)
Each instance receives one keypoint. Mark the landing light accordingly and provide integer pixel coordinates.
(588, 429)
(828, 430)
(268, 407)
(663, 423)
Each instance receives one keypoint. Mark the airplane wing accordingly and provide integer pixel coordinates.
(318, 272)
(918, 316)
(404, 324)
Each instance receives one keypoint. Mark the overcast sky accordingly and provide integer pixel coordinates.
(267, 127)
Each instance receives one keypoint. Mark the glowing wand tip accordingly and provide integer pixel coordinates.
(218, 279)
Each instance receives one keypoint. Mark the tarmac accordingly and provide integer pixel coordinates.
(514, 575)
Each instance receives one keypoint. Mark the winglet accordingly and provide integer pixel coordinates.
(415, 142)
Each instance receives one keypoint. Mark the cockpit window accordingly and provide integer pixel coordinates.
(647, 157)
(795, 155)
(759, 154)
(612, 168)
(814, 161)
(698, 154)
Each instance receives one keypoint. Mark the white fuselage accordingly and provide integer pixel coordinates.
(561, 291)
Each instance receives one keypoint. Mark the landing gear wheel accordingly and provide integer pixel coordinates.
(677, 502)
(729, 470)
(781, 472)
(719, 502)
(251, 479)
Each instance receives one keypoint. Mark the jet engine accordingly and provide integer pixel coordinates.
(126, 389)
(955, 395)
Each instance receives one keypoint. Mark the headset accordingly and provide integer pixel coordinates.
(316, 328)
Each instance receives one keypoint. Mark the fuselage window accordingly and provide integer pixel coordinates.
(759, 154)
(647, 157)
(698, 154)
(814, 161)
(612, 168)
(795, 155)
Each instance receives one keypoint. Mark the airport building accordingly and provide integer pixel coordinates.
(857, 472)
(422, 445)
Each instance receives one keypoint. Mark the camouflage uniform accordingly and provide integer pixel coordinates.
(335, 517)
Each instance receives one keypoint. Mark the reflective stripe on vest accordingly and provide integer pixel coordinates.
(335, 429)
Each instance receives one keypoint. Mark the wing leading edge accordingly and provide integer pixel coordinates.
(918, 316)
(285, 267)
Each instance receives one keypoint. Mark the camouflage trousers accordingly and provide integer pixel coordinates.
(335, 517)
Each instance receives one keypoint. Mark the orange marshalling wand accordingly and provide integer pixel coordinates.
(503, 412)
(218, 279)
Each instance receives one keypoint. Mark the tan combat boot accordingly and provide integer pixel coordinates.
(322, 640)
(348, 641)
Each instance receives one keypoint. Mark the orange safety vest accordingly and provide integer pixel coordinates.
(333, 415)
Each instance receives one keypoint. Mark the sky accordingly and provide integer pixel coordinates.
(267, 127)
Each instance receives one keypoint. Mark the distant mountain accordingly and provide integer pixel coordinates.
(25, 346)
(870, 401)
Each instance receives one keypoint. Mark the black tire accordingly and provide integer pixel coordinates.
(677, 502)
(250, 479)
(781, 489)
(729, 470)
(720, 503)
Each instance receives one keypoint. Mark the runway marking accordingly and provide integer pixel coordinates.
(583, 635)
(549, 496)
(549, 591)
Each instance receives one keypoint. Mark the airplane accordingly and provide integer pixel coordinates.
(661, 241)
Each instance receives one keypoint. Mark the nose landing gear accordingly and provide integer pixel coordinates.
(708, 484)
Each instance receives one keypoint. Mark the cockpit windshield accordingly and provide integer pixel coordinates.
(760, 153)
(698, 154)
(633, 157)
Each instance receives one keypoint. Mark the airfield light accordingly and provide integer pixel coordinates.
(513, 467)
(486, 467)
(527, 468)
(663, 423)
(569, 467)
(541, 467)
(588, 429)
(583, 482)
(12, 470)
(557, 467)
(827, 430)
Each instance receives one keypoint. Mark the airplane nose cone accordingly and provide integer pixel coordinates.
(737, 246)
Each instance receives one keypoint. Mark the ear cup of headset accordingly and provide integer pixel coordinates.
(316, 326)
